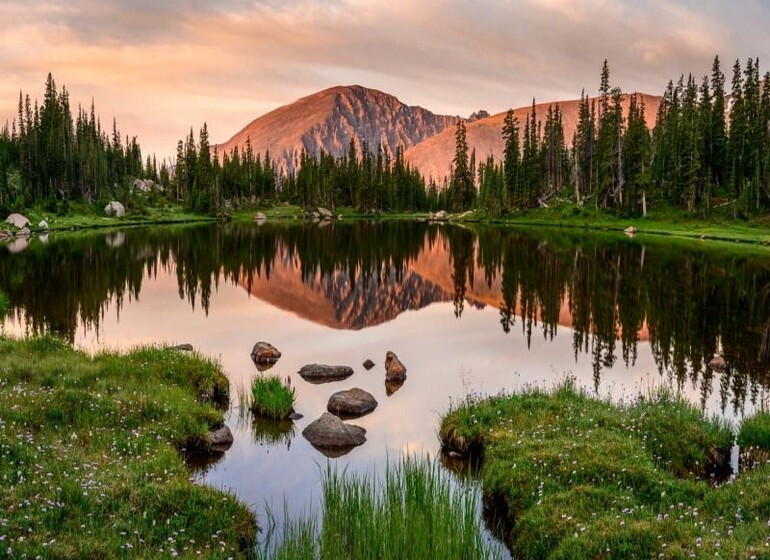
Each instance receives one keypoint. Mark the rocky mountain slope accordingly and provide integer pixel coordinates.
(433, 156)
(329, 119)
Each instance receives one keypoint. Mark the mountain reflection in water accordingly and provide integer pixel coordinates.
(613, 293)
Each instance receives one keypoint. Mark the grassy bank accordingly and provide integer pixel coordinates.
(720, 226)
(414, 513)
(84, 216)
(577, 477)
(89, 455)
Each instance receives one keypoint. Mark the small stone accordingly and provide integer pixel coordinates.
(264, 352)
(320, 373)
(221, 438)
(394, 369)
(186, 347)
(353, 402)
(368, 364)
(330, 433)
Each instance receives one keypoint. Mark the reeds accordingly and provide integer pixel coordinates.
(271, 397)
(417, 510)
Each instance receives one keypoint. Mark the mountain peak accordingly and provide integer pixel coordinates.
(330, 119)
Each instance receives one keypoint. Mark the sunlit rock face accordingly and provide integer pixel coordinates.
(330, 119)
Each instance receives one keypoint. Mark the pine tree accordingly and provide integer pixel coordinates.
(511, 160)
(462, 181)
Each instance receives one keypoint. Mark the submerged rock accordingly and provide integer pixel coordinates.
(221, 439)
(264, 353)
(630, 231)
(23, 232)
(350, 403)
(5, 234)
(394, 369)
(330, 433)
(320, 373)
(260, 218)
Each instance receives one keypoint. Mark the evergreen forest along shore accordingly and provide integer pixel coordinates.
(706, 158)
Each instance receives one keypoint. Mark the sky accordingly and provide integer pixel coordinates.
(162, 66)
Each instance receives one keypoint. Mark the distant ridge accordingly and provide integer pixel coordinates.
(329, 119)
(433, 157)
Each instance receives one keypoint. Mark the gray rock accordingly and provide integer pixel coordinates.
(23, 232)
(630, 231)
(186, 347)
(5, 234)
(143, 185)
(260, 218)
(368, 364)
(353, 402)
(717, 364)
(43, 225)
(265, 353)
(116, 209)
(330, 433)
(394, 369)
(441, 215)
(17, 220)
(325, 214)
(221, 438)
(319, 373)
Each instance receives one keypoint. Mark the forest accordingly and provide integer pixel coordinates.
(710, 148)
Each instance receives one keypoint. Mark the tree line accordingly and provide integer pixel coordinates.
(709, 148)
(52, 155)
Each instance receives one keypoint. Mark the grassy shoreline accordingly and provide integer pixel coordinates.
(573, 476)
(663, 223)
(90, 455)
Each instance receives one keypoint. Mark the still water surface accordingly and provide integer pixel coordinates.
(467, 310)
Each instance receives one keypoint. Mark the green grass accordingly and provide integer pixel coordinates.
(85, 216)
(661, 220)
(271, 397)
(573, 476)
(415, 512)
(89, 455)
(754, 440)
(3, 304)
(755, 431)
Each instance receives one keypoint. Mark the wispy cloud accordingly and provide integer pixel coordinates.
(160, 67)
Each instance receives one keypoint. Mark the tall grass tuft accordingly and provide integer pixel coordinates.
(3, 305)
(271, 397)
(416, 511)
(755, 431)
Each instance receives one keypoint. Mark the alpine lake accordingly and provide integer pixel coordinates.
(468, 309)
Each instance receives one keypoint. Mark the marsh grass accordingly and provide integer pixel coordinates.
(89, 455)
(755, 431)
(271, 397)
(417, 510)
(3, 304)
(574, 476)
